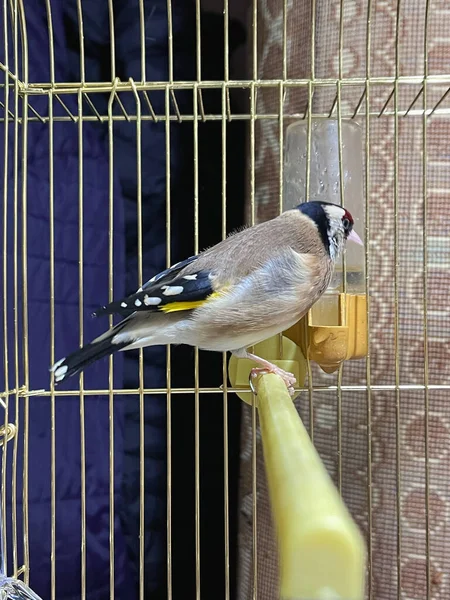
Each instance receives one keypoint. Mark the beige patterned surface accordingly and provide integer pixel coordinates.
(386, 492)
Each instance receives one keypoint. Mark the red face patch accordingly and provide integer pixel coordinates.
(348, 216)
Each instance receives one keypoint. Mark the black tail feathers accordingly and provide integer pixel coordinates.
(80, 359)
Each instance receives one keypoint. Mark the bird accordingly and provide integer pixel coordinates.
(254, 284)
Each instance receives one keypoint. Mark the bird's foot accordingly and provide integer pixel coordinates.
(288, 378)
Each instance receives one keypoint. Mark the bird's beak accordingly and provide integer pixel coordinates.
(354, 237)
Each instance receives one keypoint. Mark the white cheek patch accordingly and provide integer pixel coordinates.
(334, 212)
(56, 365)
(151, 301)
(172, 290)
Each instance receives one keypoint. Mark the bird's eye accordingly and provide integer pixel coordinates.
(346, 223)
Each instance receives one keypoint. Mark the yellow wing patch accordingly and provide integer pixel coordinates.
(180, 306)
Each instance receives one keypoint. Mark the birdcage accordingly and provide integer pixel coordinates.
(134, 134)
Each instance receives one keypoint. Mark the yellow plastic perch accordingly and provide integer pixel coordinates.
(322, 552)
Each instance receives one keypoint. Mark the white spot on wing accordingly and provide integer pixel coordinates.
(172, 290)
(60, 372)
(151, 301)
(190, 277)
(137, 302)
(123, 304)
(56, 365)
(211, 276)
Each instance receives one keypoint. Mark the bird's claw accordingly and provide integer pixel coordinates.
(288, 378)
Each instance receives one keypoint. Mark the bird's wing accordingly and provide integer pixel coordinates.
(197, 280)
(167, 292)
(168, 274)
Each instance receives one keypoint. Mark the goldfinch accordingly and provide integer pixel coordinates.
(252, 285)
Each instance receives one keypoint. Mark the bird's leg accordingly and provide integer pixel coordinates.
(268, 367)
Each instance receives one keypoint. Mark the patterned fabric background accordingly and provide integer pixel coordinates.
(385, 577)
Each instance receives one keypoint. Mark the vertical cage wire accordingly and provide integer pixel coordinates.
(367, 289)
(197, 106)
(309, 112)
(254, 432)
(24, 260)
(141, 357)
(112, 39)
(52, 298)
(226, 506)
(309, 109)
(142, 39)
(110, 379)
(281, 94)
(14, 470)
(195, 99)
(342, 200)
(398, 416)
(81, 323)
(168, 355)
(426, 360)
(52, 334)
(5, 283)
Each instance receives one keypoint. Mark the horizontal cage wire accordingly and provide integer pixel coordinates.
(380, 425)
(409, 91)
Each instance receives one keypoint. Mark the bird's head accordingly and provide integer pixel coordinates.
(334, 224)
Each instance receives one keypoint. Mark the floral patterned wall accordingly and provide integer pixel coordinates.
(398, 424)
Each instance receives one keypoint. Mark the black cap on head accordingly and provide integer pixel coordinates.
(314, 210)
